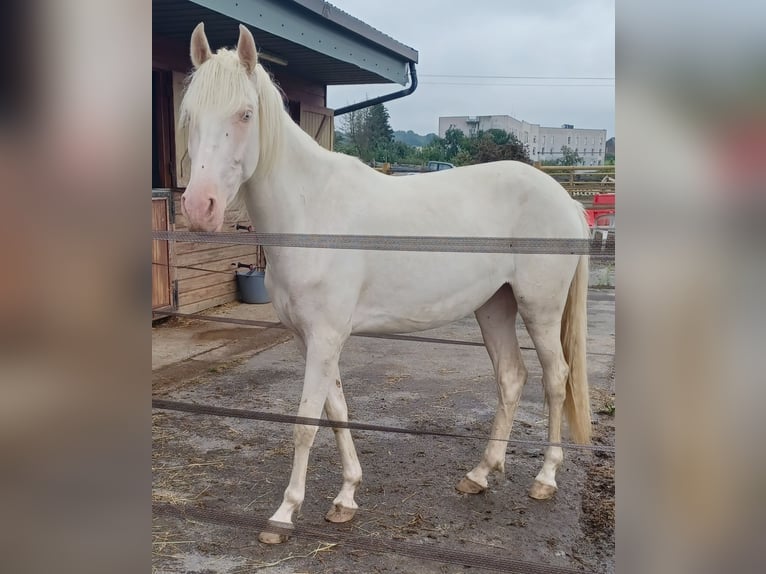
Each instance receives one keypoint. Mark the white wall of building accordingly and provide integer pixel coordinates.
(543, 143)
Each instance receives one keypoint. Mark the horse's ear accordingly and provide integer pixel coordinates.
(200, 49)
(246, 49)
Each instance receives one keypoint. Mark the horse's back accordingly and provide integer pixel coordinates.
(498, 199)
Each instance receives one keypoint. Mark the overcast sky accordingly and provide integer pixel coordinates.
(552, 38)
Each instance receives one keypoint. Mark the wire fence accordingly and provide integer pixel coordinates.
(594, 247)
(390, 336)
(193, 408)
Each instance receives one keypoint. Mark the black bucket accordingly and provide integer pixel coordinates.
(251, 287)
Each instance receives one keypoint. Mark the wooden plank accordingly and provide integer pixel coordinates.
(211, 292)
(189, 279)
(160, 257)
(160, 292)
(222, 265)
(228, 253)
(184, 247)
(159, 222)
(205, 280)
(215, 252)
(199, 295)
(208, 303)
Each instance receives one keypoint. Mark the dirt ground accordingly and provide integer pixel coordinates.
(408, 493)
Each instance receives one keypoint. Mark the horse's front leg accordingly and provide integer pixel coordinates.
(322, 354)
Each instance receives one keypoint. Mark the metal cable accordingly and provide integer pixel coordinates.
(193, 408)
(193, 268)
(522, 245)
(437, 553)
(392, 336)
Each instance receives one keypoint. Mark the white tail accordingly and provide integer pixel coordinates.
(574, 333)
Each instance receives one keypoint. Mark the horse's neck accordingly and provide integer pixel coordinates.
(280, 197)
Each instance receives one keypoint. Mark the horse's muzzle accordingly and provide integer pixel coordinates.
(203, 212)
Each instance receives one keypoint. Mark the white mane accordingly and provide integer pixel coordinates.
(221, 86)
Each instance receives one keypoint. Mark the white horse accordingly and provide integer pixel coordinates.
(244, 147)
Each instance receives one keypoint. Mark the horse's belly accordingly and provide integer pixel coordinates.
(419, 296)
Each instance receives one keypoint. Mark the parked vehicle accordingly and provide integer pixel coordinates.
(438, 165)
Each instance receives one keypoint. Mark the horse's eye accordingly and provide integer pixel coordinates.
(247, 115)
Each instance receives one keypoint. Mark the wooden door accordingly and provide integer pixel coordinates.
(319, 123)
(163, 177)
(161, 292)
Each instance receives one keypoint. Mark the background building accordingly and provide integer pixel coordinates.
(542, 143)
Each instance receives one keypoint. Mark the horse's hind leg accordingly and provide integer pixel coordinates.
(497, 319)
(542, 315)
(344, 506)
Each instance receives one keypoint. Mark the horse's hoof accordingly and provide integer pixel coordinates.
(276, 536)
(540, 491)
(271, 538)
(340, 514)
(468, 486)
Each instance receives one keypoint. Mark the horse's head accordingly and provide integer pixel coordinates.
(220, 108)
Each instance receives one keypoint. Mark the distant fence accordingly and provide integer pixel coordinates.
(582, 182)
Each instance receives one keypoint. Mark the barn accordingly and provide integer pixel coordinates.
(306, 45)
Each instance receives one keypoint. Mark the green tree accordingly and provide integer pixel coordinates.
(463, 157)
(367, 134)
(494, 145)
(500, 137)
(343, 144)
(454, 142)
(569, 157)
(435, 151)
(356, 140)
(380, 126)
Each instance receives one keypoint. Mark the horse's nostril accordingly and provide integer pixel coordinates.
(211, 206)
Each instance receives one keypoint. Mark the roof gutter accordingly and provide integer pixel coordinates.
(383, 98)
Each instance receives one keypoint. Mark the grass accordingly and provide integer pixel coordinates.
(608, 408)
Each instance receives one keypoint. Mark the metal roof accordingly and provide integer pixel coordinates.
(316, 39)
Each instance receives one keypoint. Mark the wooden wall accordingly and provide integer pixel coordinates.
(308, 99)
(199, 290)
(299, 89)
